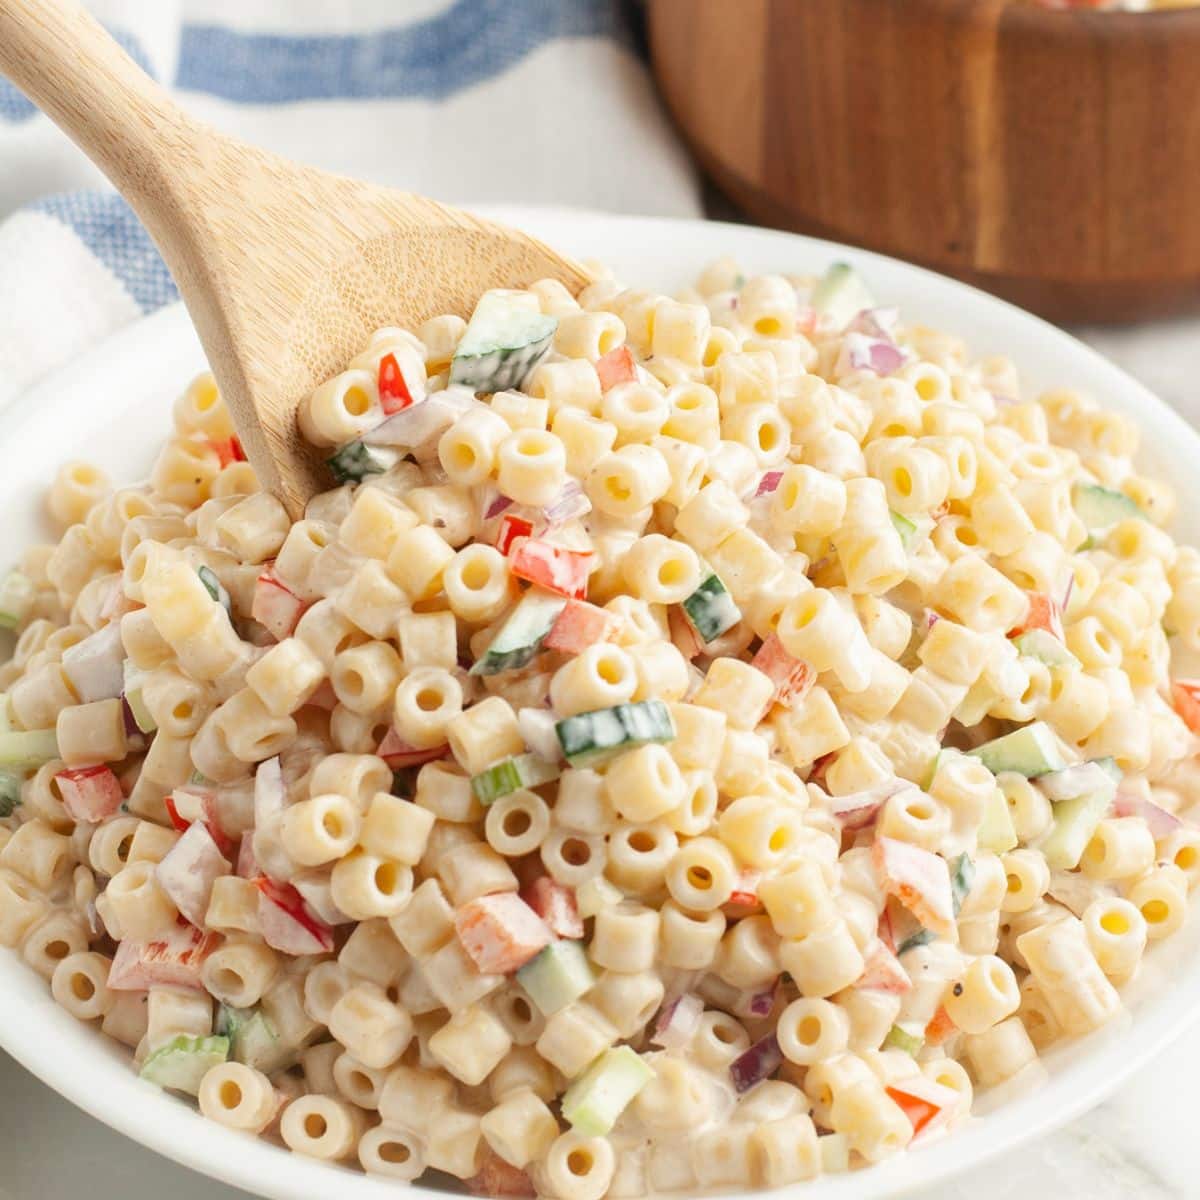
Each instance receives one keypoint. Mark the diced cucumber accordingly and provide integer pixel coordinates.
(593, 736)
(710, 608)
(1045, 647)
(996, 830)
(934, 766)
(26, 750)
(16, 599)
(910, 1039)
(505, 339)
(134, 699)
(601, 1094)
(1075, 822)
(184, 1061)
(559, 974)
(912, 532)
(10, 793)
(962, 876)
(1100, 508)
(1030, 751)
(523, 771)
(214, 587)
(355, 461)
(252, 1039)
(922, 937)
(521, 636)
(841, 295)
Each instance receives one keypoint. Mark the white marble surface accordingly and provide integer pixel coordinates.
(1142, 1144)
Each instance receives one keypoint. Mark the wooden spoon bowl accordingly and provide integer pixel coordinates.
(285, 270)
(1052, 157)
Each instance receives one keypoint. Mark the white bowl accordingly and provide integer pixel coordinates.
(113, 407)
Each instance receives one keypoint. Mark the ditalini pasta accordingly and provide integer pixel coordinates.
(696, 743)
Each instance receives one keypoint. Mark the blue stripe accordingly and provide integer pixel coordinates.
(15, 107)
(474, 41)
(107, 226)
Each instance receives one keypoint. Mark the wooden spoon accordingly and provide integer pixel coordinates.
(285, 270)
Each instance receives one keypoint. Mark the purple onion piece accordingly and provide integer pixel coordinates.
(677, 1021)
(1070, 588)
(1159, 821)
(757, 1003)
(761, 1061)
(569, 504)
(497, 506)
(132, 728)
(768, 483)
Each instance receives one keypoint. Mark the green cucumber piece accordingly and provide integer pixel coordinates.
(505, 339)
(912, 532)
(26, 750)
(10, 793)
(1030, 751)
(16, 599)
(521, 636)
(996, 830)
(710, 609)
(252, 1039)
(900, 1038)
(1075, 822)
(841, 295)
(559, 975)
(355, 461)
(1100, 508)
(921, 938)
(214, 587)
(593, 736)
(522, 771)
(962, 876)
(1045, 647)
(183, 1062)
(601, 1094)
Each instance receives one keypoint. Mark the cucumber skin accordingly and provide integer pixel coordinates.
(710, 609)
(639, 723)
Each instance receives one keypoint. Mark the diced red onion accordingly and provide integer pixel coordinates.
(132, 728)
(423, 421)
(1073, 781)
(536, 726)
(760, 1062)
(877, 323)
(1160, 822)
(758, 1002)
(570, 504)
(317, 891)
(1068, 592)
(96, 665)
(678, 1022)
(858, 810)
(931, 619)
(768, 483)
(497, 505)
(861, 353)
(1076, 891)
(270, 796)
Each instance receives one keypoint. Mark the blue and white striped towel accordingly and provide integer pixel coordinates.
(538, 101)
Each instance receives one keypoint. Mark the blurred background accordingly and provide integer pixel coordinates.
(1049, 152)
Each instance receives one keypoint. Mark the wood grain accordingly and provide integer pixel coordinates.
(1053, 157)
(285, 270)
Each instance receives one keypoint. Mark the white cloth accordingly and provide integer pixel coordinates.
(532, 101)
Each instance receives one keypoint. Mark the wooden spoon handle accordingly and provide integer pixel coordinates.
(69, 66)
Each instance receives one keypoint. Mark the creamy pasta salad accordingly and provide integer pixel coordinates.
(698, 742)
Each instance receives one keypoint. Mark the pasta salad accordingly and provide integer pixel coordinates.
(698, 742)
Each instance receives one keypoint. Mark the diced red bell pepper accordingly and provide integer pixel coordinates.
(90, 793)
(552, 567)
(500, 932)
(743, 900)
(617, 366)
(883, 972)
(919, 879)
(555, 903)
(185, 806)
(925, 1103)
(229, 450)
(512, 527)
(178, 820)
(188, 871)
(501, 1179)
(288, 924)
(1185, 696)
(940, 1028)
(394, 395)
(579, 626)
(276, 607)
(793, 677)
(398, 753)
(1044, 613)
(172, 960)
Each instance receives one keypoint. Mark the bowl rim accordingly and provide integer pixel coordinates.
(72, 1058)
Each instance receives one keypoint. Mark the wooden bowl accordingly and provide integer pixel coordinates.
(1052, 157)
